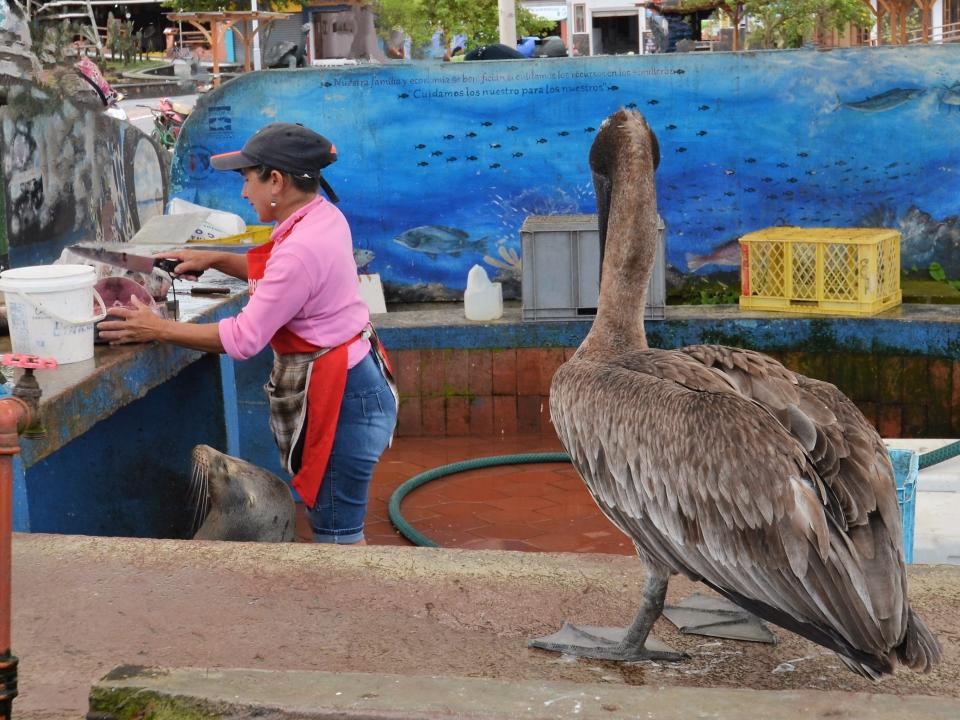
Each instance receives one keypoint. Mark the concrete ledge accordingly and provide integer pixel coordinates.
(931, 330)
(83, 605)
(158, 693)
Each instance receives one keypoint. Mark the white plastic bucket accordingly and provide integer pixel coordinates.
(49, 310)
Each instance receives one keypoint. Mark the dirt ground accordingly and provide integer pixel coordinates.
(83, 605)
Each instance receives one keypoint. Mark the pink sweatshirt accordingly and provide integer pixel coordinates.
(310, 285)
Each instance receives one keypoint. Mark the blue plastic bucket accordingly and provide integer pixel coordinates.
(906, 465)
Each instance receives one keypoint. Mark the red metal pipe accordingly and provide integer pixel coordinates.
(14, 418)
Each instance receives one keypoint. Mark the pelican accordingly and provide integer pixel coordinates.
(769, 487)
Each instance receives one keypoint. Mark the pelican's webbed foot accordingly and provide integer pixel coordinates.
(602, 643)
(626, 645)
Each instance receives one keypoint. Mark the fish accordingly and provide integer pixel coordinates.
(495, 146)
(590, 129)
(540, 141)
(653, 102)
(701, 133)
(614, 88)
(327, 83)
(679, 71)
(452, 158)
(811, 172)
(518, 154)
(420, 146)
(671, 126)
(403, 96)
(725, 255)
(494, 166)
(803, 154)
(729, 172)
(471, 157)
(486, 123)
(563, 133)
(448, 137)
(422, 163)
(631, 105)
(749, 189)
(512, 128)
(681, 149)
(884, 101)
(436, 153)
(703, 107)
(782, 165)
(751, 161)
(471, 135)
(436, 240)
(766, 179)
(729, 193)
(950, 97)
(791, 180)
(362, 257)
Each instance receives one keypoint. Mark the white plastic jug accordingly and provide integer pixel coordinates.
(49, 310)
(482, 300)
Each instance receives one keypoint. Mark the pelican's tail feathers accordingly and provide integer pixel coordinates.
(919, 650)
(871, 670)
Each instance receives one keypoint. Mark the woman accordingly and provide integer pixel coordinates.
(333, 405)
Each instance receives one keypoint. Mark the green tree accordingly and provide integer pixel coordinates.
(477, 19)
(209, 5)
(790, 23)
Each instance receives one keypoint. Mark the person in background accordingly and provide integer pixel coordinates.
(333, 403)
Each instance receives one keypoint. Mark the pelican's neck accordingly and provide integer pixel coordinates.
(631, 244)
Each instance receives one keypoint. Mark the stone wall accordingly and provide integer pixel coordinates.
(482, 392)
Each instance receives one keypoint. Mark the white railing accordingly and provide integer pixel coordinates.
(948, 33)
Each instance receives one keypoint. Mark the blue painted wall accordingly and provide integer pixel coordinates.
(440, 163)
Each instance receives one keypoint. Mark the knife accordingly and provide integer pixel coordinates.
(137, 263)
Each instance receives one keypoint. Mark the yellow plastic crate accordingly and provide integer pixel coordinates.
(846, 271)
(255, 235)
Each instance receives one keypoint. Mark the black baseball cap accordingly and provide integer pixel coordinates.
(288, 147)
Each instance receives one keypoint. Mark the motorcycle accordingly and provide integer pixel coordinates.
(168, 118)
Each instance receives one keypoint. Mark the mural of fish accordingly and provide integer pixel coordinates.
(884, 101)
(363, 257)
(950, 98)
(788, 138)
(434, 240)
(726, 255)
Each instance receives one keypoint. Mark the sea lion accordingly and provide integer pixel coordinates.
(236, 500)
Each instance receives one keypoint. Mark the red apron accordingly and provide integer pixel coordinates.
(324, 393)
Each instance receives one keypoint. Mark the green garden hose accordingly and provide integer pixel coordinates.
(417, 538)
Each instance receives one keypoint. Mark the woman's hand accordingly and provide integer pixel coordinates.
(137, 324)
(190, 262)
(193, 262)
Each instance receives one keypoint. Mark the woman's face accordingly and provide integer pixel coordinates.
(258, 193)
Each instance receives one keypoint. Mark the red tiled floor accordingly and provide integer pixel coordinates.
(533, 507)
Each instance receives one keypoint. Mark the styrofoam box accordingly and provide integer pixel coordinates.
(561, 268)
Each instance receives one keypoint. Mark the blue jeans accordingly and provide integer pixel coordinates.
(368, 414)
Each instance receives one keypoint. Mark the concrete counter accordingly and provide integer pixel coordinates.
(110, 418)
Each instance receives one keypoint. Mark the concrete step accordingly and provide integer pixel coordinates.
(267, 695)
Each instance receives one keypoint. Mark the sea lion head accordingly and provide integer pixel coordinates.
(236, 500)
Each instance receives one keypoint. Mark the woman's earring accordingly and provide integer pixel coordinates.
(273, 203)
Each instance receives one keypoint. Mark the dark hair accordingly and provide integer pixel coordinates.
(303, 184)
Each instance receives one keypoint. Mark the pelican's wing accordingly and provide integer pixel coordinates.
(710, 470)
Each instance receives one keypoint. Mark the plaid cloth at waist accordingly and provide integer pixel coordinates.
(286, 393)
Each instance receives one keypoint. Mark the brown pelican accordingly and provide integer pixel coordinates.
(769, 487)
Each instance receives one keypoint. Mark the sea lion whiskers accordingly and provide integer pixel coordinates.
(199, 490)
